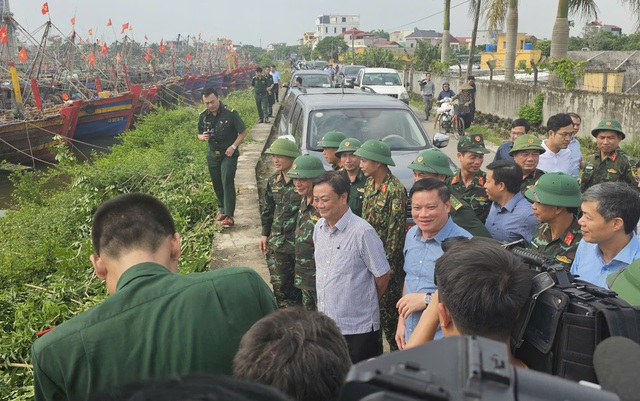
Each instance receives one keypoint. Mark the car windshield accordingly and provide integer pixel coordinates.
(315, 81)
(351, 71)
(381, 78)
(396, 127)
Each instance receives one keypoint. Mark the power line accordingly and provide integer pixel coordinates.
(429, 16)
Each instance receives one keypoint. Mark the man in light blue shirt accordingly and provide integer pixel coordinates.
(275, 75)
(510, 216)
(574, 146)
(610, 212)
(430, 205)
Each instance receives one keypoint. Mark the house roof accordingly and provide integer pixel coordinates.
(419, 33)
(385, 43)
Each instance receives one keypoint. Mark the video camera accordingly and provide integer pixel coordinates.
(422, 82)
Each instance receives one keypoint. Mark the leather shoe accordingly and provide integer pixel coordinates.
(266, 121)
(221, 217)
(227, 222)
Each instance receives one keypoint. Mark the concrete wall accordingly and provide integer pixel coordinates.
(504, 99)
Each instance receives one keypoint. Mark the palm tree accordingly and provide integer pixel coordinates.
(496, 13)
(474, 9)
(445, 55)
(560, 33)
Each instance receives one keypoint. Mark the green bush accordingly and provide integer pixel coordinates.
(533, 113)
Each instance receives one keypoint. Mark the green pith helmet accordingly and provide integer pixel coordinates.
(376, 150)
(608, 125)
(306, 166)
(283, 147)
(432, 161)
(555, 189)
(527, 142)
(472, 143)
(348, 145)
(332, 139)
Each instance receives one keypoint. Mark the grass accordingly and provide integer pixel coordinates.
(488, 134)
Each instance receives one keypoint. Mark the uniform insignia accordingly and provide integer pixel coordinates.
(420, 159)
(612, 171)
(614, 156)
(607, 123)
(568, 239)
(396, 205)
(476, 138)
(481, 180)
(588, 167)
(530, 141)
(455, 203)
(564, 259)
(383, 189)
(360, 190)
(278, 177)
(314, 218)
(295, 166)
(481, 199)
(381, 203)
(347, 143)
(454, 180)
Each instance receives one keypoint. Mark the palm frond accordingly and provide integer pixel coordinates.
(584, 9)
(495, 13)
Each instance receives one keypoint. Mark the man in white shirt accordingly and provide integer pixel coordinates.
(557, 156)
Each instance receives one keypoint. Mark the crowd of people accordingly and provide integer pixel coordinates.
(344, 269)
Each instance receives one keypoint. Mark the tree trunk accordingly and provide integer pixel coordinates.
(512, 38)
(473, 37)
(560, 33)
(445, 55)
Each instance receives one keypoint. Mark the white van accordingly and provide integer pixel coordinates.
(385, 81)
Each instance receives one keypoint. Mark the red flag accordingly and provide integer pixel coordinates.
(131, 27)
(124, 27)
(118, 58)
(171, 45)
(90, 32)
(104, 49)
(22, 56)
(79, 39)
(147, 57)
(162, 42)
(109, 22)
(45, 8)
(188, 56)
(163, 49)
(3, 35)
(149, 52)
(92, 59)
(73, 21)
(146, 38)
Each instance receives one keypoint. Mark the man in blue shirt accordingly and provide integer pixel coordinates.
(510, 217)
(519, 126)
(430, 205)
(610, 213)
(275, 75)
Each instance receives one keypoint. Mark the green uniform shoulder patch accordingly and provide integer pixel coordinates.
(455, 203)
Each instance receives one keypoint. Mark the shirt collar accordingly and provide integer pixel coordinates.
(340, 225)
(444, 233)
(513, 202)
(628, 254)
(145, 269)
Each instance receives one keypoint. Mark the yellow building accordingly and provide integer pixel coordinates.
(610, 81)
(308, 38)
(524, 52)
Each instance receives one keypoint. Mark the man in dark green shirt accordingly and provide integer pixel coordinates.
(351, 169)
(156, 323)
(261, 89)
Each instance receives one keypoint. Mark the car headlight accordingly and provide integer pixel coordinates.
(404, 95)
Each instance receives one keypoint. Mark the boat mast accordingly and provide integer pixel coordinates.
(11, 30)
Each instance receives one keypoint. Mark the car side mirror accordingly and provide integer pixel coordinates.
(440, 140)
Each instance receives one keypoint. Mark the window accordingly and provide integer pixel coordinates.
(344, 30)
(326, 29)
(344, 19)
(335, 30)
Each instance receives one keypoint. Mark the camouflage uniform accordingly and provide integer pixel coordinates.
(562, 248)
(531, 179)
(462, 214)
(260, 85)
(385, 209)
(618, 166)
(475, 194)
(281, 202)
(305, 263)
(356, 192)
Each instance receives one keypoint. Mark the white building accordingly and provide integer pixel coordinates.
(333, 25)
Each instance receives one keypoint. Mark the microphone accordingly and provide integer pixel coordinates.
(616, 361)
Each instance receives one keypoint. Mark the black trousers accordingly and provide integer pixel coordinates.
(364, 346)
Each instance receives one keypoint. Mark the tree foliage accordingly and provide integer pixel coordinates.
(426, 56)
(544, 46)
(568, 71)
(331, 47)
(381, 33)
(533, 113)
(375, 57)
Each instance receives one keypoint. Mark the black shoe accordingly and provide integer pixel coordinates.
(260, 120)
(266, 121)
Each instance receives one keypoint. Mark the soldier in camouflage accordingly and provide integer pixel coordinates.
(330, 143)
(555, 201)
(385, 207)
(469, 180)
(432, 163)
(526, 153)
(261, 88)
(610, 163)
(305, 168)
(351, 170)
(279, 216)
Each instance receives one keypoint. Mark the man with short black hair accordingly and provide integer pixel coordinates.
(610, 212)
(557, 156)
(275, 75)
(260, 85)
(155, 323)
(519, 126)
(574, 147)
(299, 352)
(428, 89)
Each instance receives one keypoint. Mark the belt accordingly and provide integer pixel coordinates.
(428, 95)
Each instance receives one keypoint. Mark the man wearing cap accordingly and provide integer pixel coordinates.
(279, 216)
(519, 126)
(330, 143)
(610, 212)
(446, 91)
(432, 163)
(430, 206)
(351, 169)
(385, 207)
(304, 169)
(510, 217)
(526, 153)
(557, 156)
(555, 201)
(610, 163)
(469, 180)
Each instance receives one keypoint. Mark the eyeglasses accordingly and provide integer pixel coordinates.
(565, 135)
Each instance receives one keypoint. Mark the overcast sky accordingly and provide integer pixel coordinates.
(263, 22)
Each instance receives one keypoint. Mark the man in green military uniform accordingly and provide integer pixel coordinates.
(155, 323)
(279, 216)
(224, 130)
(385, 207)
(305, 168)
(432, 163)
(526, 153)
(610, 163)
(330, 143)
(469, 179)
(261, 87)
(555, 201)
(351, 169)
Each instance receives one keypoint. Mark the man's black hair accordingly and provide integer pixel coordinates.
(299, 352)
(336, 180)
(273, 65)
(259, 69)
(131, 221)
(431, 184)
(299, 79)
(555, 122)
(521, 122)
(507, 172)
(209, 91)
(483, 286)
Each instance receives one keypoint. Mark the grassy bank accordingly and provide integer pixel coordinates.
(45, 242)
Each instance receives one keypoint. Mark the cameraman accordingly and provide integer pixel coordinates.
(428, 89)
(224, 130)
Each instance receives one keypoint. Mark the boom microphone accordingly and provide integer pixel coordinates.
(617, 362)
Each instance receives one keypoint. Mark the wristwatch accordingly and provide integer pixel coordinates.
(234, 147)
(427, 298)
